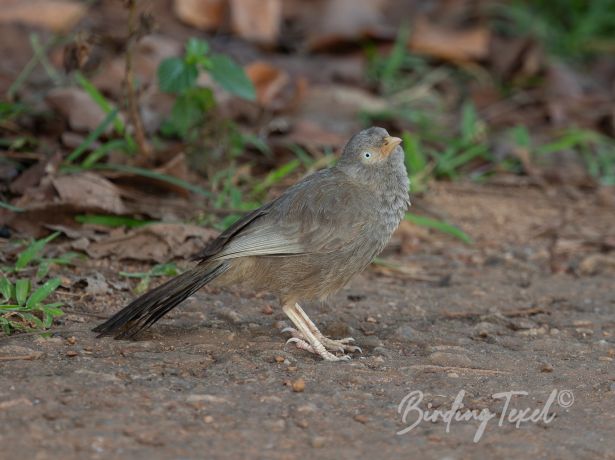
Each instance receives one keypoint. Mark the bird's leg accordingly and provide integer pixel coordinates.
(330, 344)
(311, 342)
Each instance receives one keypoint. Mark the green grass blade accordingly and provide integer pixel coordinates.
(439, 225)
(43, 292)
(100, 100)
(100, 152)
(276, 176)
(6, 289)
(154, 175)
(22, 288)
(93, 136)
(10, 207)
(32, 251)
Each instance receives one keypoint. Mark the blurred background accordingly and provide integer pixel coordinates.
(239, 96)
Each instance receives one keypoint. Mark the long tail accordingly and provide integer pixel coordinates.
(153, 305)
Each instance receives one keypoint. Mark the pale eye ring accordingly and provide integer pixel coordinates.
(367, 155)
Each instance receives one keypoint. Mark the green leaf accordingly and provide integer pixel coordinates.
(439, 225)
(6, 289)
(196, 50)
(175, 75)
(33, 319)
(43, 269)
(189, 110)
(228, 74)
(32, 251)
(43, 292)
(22, 288)
(52, 310)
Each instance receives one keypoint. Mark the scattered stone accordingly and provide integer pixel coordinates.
(318, 441)
(298, 385)
(206, 398)
(71, 353)
(208, 419)
(453, 375)
(279, 359)
(546, 367)
(71, 340)
(405, 334)
(361, 418)
(383, 352)
(302, 423)
(267, 310)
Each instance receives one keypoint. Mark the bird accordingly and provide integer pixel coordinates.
(306, 244)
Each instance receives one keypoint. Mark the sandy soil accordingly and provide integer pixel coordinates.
(529, 307)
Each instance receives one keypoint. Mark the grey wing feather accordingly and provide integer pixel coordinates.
(308, 218)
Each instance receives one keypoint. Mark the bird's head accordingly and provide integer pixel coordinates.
(371, 150)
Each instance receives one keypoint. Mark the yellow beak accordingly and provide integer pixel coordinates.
(389, 145)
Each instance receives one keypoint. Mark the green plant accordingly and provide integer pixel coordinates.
(168, 269)
(23, 309)
(178, 76)
(439, 225)
(32, 256)
(22, 305)
(573, 29)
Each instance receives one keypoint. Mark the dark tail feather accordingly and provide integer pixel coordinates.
(153, 305)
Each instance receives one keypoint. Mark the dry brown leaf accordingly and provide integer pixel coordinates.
(202, 14)
(55, 15)
(268, 81)
(444, 43)
(77, 106)
(337, 21)
(155, 242)
(89, 190)
(257, 20)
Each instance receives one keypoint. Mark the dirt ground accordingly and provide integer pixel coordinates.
(529, 307)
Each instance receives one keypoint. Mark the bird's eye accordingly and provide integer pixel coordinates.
(367, 155)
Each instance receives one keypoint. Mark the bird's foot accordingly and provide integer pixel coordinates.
(307, 337)
(344, 345)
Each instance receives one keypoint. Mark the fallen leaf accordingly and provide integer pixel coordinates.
(82, 113)
(454, 45)
(32, 176)
(274, 88)
(202, 14)
(339, 21)
(55, 15)
(89, 191)
(257, 20)
(155, 242)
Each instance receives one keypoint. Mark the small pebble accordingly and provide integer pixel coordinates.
(546, 367)
(279, 359)
(302, 423)
(361, 418)
(71, 353)
(298, 385)
(453, 375)
(208, 419)
(318, 441)
(267, 310)
(71, 340)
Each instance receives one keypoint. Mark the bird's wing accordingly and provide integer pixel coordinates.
(320, 214)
